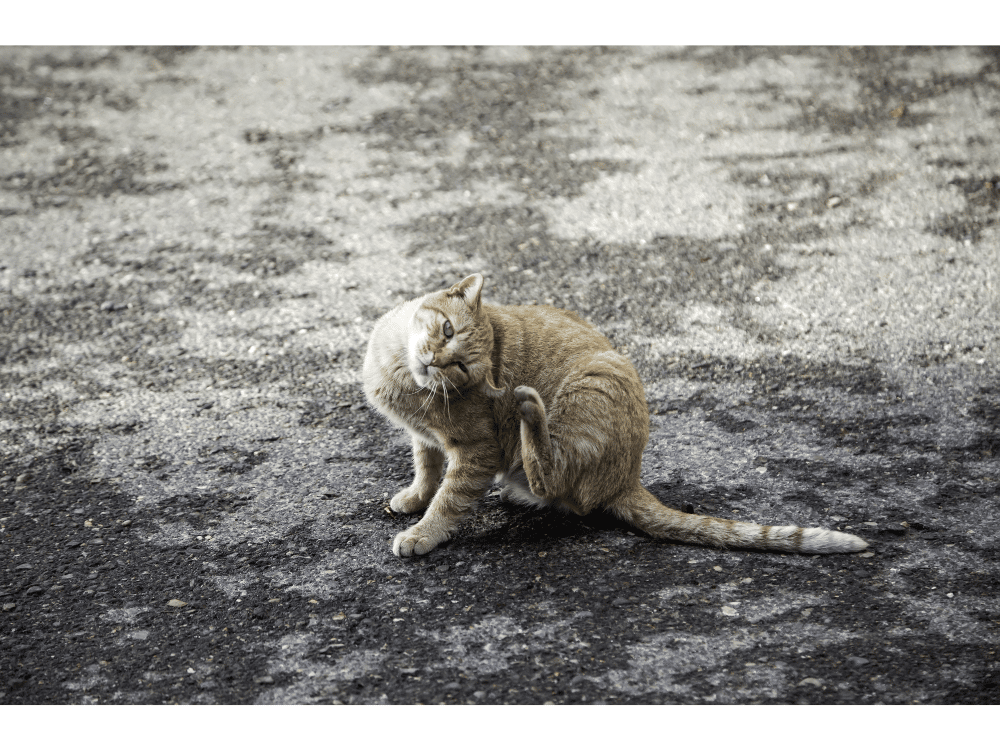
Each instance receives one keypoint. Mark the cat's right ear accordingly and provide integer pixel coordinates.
(470, 288)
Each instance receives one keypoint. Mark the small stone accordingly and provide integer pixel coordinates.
(34, 590)
(22, 479)
(25, 566)
(264, 679)
(717, 568)
(833, 201)
(729, 611)
(8, 606)
(857, 661)
(339, 616)
(358, 407)
(811, 681)
(867, 554)
(176, 603)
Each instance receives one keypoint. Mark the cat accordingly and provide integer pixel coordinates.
(537, 399)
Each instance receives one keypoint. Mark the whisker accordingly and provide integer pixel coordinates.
(431, 393)
(445, 391)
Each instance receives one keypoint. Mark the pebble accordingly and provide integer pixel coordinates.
(264, 679)
(729, 612)
(815, 682)
(176, 603)
(33, 590)
(25, 566)
(857, 661)
(9, 606)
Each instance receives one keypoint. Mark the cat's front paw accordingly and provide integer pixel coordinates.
(529, 403)
(415, 541)
(408, 501)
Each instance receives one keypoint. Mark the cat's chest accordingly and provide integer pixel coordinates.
(462, 420)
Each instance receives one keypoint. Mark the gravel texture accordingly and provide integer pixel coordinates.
(799, 249)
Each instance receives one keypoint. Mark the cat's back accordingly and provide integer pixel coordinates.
(542, 330)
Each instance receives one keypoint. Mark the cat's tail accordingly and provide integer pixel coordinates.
(641, 509)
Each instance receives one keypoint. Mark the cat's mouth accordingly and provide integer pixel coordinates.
(453, 374)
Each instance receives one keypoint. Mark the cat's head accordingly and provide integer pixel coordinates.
(450, 341)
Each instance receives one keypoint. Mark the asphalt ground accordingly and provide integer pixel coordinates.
(798, 248)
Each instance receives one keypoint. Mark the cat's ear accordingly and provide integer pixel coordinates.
(470, 288)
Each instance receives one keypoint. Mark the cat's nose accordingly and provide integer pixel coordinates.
(426, 358)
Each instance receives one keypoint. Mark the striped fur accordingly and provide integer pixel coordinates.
(536, 398)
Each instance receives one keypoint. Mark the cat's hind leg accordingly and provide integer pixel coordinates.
(536, 443)
(583, 447)
(553, 458)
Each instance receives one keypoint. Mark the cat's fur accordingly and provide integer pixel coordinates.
(536, 398)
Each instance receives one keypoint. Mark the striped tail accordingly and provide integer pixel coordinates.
(645, 512)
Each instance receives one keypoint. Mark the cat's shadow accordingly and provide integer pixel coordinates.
(509, 521)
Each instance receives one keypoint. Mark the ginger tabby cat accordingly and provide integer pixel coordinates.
(535, 397)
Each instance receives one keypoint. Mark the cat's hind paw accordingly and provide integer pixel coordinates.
(529, 403)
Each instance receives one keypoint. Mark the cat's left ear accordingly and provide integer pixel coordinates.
(470, 288)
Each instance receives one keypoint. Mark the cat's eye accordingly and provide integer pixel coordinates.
(448, 330)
